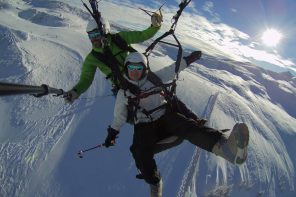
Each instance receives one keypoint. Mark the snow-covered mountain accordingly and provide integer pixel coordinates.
(44, 42)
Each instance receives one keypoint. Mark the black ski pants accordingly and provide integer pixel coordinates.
(146, 136)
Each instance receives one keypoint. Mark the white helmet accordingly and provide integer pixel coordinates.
(136, 57)
(92, 25)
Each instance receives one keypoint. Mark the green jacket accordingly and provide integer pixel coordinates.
(91, 63)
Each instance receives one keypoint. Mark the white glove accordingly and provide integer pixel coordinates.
(72, 95)
(156, 19)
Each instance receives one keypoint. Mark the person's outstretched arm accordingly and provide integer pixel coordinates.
(168, 73)
(120, 111)
(86, 76)
(132, 37)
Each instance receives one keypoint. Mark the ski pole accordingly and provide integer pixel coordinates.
(7, 89)
(80, 153)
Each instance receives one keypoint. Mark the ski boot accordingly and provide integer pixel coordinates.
(234, 149)
(156, 190)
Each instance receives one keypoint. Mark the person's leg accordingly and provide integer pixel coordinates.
(233, 149)
(163, 145)
(142, 149)
(201, 136)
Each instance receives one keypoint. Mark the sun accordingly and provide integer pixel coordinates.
(271, 37)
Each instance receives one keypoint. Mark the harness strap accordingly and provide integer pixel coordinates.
(149, 112)
(134, 102)
(146, 94)
(121, 43)
(110, 60)
(149, 49)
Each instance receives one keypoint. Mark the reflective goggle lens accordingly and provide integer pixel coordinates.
(94, 34)
(135, 67)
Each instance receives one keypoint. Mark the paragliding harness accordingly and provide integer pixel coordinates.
(133, 102)
(107, 57)
(167, 90)
(174, 104)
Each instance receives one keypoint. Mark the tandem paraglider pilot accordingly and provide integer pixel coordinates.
(154, 118)
(108, 53)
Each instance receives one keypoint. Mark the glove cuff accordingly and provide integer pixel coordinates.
(112, 131)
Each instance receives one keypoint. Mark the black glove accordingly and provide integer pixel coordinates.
(110, 139)
(71, 96)
(195, 55)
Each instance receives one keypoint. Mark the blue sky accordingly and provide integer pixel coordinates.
(254, 16)
(238, 25)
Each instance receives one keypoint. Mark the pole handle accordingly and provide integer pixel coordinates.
(7, 89)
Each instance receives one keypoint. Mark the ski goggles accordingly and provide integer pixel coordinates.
(94, 34)
(135, 67)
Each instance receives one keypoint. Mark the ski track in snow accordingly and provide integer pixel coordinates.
(188, 187)
(22, 158)
(246, 112)
(188, 183)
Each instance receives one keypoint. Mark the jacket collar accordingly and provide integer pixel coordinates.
(139, 83)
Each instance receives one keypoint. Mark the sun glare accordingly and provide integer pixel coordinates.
(271, 37)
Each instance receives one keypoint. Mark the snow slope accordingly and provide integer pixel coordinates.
(43, 42)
